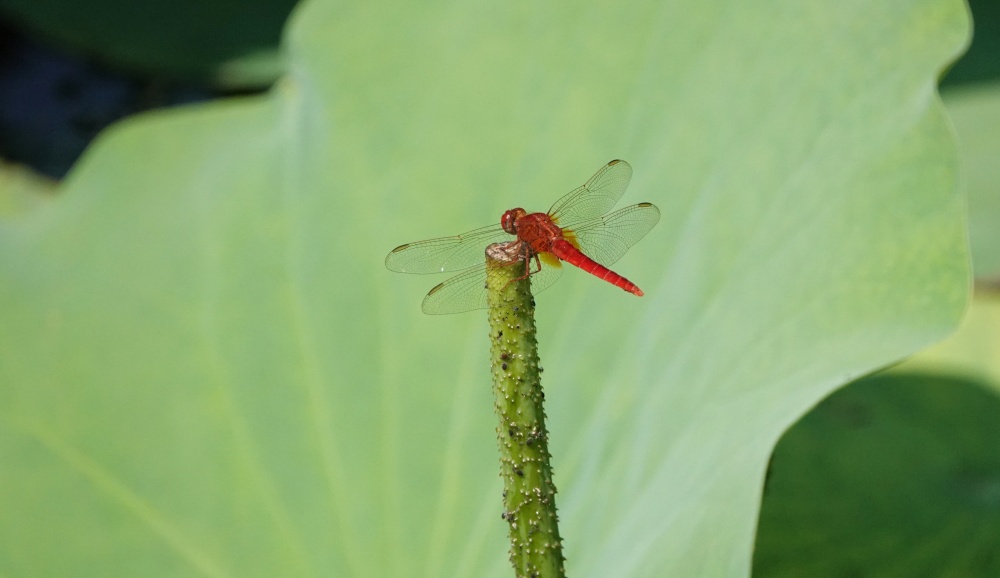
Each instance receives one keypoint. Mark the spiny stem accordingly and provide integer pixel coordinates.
(529, 494)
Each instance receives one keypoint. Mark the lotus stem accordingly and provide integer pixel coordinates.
(528, 490)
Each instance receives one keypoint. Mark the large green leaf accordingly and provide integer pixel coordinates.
(207, 371)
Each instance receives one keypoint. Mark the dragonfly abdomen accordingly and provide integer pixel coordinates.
(567, 252)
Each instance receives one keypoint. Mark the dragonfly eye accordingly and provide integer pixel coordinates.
(507, 222)
(510, 218)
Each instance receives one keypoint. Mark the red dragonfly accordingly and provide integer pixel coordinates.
(577, 229)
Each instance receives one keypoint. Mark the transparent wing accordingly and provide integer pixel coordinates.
(605, 239)
(467, 291)
(594, 198)
(445, 253)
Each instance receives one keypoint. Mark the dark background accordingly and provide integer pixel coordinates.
(68, 69)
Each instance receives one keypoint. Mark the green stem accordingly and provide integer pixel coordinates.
(528, 494)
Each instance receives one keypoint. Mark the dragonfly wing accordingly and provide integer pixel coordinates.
(446, 253)
(594, 198)
(605, 239)
(549, 274)
(463, 292)
(467, 291)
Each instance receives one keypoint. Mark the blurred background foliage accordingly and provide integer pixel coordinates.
(70, 68)
(217, 43)
(901, 470)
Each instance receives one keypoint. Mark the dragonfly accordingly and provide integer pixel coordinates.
(578, 229)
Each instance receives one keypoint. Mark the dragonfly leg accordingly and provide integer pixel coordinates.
(525, 255)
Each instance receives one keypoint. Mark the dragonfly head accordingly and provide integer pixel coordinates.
(509, 220)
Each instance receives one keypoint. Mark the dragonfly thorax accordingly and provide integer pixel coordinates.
(509, 220)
